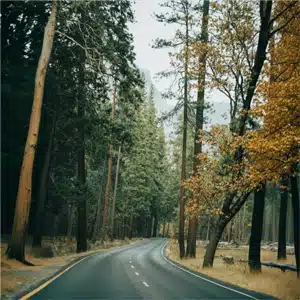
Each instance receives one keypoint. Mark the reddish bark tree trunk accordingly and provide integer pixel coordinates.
(112, 220)
(16, 247)
(37, 235)
(107, 190)
(193, 222)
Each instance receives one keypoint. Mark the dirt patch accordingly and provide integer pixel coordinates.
(283, 285)
(17, 277)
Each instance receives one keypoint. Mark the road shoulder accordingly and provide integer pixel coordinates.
(212, 280)
(21, 280)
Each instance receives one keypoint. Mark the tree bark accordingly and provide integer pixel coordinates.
(267, 227)
(107, 190)
(193, 222)
(208, 229)
(99, 202)
(188, 242)
(70, 222)
(42, 193)
(282, 218)
(16, 247)
(296, 217)
(81, 167)
(164, 228)
(155, 225)
(184, 140)
(244, 232)
(290, 221)
(112, 220)
(213, 243)
(149, 227)
(256, 230)
(274, 239)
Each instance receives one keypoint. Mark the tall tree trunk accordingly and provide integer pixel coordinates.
(256, 230)
(244, 220)
(124, 229)
(155, 225)
(112, 220)
(16, 247)
(296, 217)
(107, 190)
(70, 222)
(42, 193)
(282, 218)
(213, 243)
(184, 140)
(208, 229)
(168, 228)
(290, 230)
(81, 236)
(260, 56)
(131, 229)
(99, 202)
(188, 242)
(55, 226)
(164, 228)
(228, 232)
(267, 227)
(193, 222)
(274, 221)
(149, 227)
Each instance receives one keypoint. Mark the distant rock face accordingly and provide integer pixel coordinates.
(214, 116)
(160, 103)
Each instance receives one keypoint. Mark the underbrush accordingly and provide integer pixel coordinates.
(284, 285)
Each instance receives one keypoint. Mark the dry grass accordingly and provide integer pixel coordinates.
(283, 285)
(12, 271)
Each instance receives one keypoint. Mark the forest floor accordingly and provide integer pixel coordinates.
(271, 281)
(17, 277)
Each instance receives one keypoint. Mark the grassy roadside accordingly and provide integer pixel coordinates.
(283, 285)
(16, 277)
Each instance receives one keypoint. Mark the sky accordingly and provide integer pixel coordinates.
(145, 31)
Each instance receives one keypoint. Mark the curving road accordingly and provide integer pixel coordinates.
(137, 272)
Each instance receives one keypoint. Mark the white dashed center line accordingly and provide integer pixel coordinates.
(137, 274)
(145, 284)
(132, 266)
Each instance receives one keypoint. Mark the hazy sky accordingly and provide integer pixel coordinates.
(145, 31)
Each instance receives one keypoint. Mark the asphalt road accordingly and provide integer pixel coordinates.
(137, 272)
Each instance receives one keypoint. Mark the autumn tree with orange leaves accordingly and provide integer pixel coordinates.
(237, 54)
(274, 150)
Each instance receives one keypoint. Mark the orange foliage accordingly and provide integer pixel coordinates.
(276, 147)
(218, 174)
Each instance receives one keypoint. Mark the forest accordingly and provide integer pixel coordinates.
(84, 152)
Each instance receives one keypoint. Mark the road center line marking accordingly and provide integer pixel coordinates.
(218, 284)
(145, 284)
(137, 274)
(132, 266)
(39, 288)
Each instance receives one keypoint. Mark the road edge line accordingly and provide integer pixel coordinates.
(45, 282)
(203, 278)
(36, 290)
